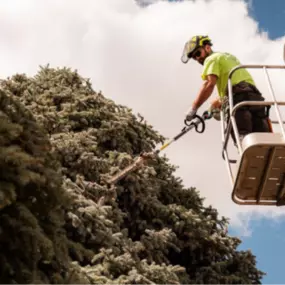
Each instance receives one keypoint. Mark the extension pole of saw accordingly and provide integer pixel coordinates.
(145, 156)
(182, 133)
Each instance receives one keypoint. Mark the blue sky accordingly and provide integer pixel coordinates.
(267, 244)
(270, 15)
(132, 55)
(267, 241)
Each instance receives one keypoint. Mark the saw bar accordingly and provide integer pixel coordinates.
(132, 167)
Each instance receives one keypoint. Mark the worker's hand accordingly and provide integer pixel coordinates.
(190, 114)
(215, 109)
(216, 104)
(216, 114)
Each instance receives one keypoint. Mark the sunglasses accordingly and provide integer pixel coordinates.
(197, 54)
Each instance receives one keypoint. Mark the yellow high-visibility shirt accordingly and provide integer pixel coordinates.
(221, 64)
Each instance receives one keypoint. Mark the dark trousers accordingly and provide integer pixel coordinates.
(249, 119)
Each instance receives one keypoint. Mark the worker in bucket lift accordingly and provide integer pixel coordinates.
(216, 68)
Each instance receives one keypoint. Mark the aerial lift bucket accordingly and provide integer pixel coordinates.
(259, 178)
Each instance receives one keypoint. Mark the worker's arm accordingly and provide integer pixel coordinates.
(206, 91)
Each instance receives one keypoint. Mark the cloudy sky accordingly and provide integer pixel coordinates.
(132, 54)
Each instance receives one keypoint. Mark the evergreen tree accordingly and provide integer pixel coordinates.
(59, 220)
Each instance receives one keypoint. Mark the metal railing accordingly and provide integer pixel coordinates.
(226, 130)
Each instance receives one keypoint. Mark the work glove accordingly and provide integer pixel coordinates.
(216, 114)
(190, 114)
(215, 109)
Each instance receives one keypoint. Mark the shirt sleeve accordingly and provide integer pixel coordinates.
(211, 67)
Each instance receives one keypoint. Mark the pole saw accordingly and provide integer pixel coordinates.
(143, 157)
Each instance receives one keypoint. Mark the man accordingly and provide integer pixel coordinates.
(216, 68)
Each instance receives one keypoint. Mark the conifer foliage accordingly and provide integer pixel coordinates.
(60, 222)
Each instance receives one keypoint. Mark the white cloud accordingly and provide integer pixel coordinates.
(133, 55)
